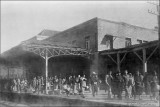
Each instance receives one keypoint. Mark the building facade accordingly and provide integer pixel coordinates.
(95, 35)
(100, 34)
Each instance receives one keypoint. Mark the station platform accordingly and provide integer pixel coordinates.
(41, 100)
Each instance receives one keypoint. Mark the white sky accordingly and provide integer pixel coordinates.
(21, 20)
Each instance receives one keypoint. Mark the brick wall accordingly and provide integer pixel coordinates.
(121, 31)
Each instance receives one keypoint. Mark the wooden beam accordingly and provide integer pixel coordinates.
(152, 53)
(114, 52)
(118, 63)
(138, 56)
(123, 57)
(112, 59)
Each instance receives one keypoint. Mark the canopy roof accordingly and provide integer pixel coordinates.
(49, 44)
(50, 49)
(131, 48)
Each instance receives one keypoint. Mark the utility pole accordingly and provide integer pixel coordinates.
(157, 14)
(0, 44)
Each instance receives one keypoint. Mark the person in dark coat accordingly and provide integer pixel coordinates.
(147, 83)
(138, 85)
(74, 85)
(114, 85)
(60, 84)
(94, 83)
(120, 83)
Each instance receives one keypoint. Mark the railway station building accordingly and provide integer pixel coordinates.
(110, 45)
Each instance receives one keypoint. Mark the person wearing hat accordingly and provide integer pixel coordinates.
(94, 83)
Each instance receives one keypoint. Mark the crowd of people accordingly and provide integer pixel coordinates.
(115, 84)
(68, 85)
(132, 85)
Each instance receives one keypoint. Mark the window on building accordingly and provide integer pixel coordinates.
(109, 42)
(145, 41)
(139, 41)
(87, 42)
(128, 42)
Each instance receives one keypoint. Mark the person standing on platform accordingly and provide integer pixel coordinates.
(34, 84)
(94, 83)
(70, 83)
(22, 85)
(131, 84)
(126, 80)
(114, 85)
(78, 83)
(60, 84)
(138, 85)
(43, 87)
(37, 84)
(26, 85)
(154, 86)
(83, 85)
(90, 86)
(56, 82)
(119, 85)
(15, 85)
(74, 85)
(108, 81)
(98, 84)
(147, 84)
(19, 85)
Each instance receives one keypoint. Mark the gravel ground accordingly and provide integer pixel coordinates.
(100, 98)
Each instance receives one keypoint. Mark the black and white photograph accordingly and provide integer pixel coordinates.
(80, 53)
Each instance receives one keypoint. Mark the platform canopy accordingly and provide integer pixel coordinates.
(52, 49)
(148, 49)
(132, 48)
(48, 49)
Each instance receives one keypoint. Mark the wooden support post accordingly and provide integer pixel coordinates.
(46, 59)
(118, 62)
(144, 61)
